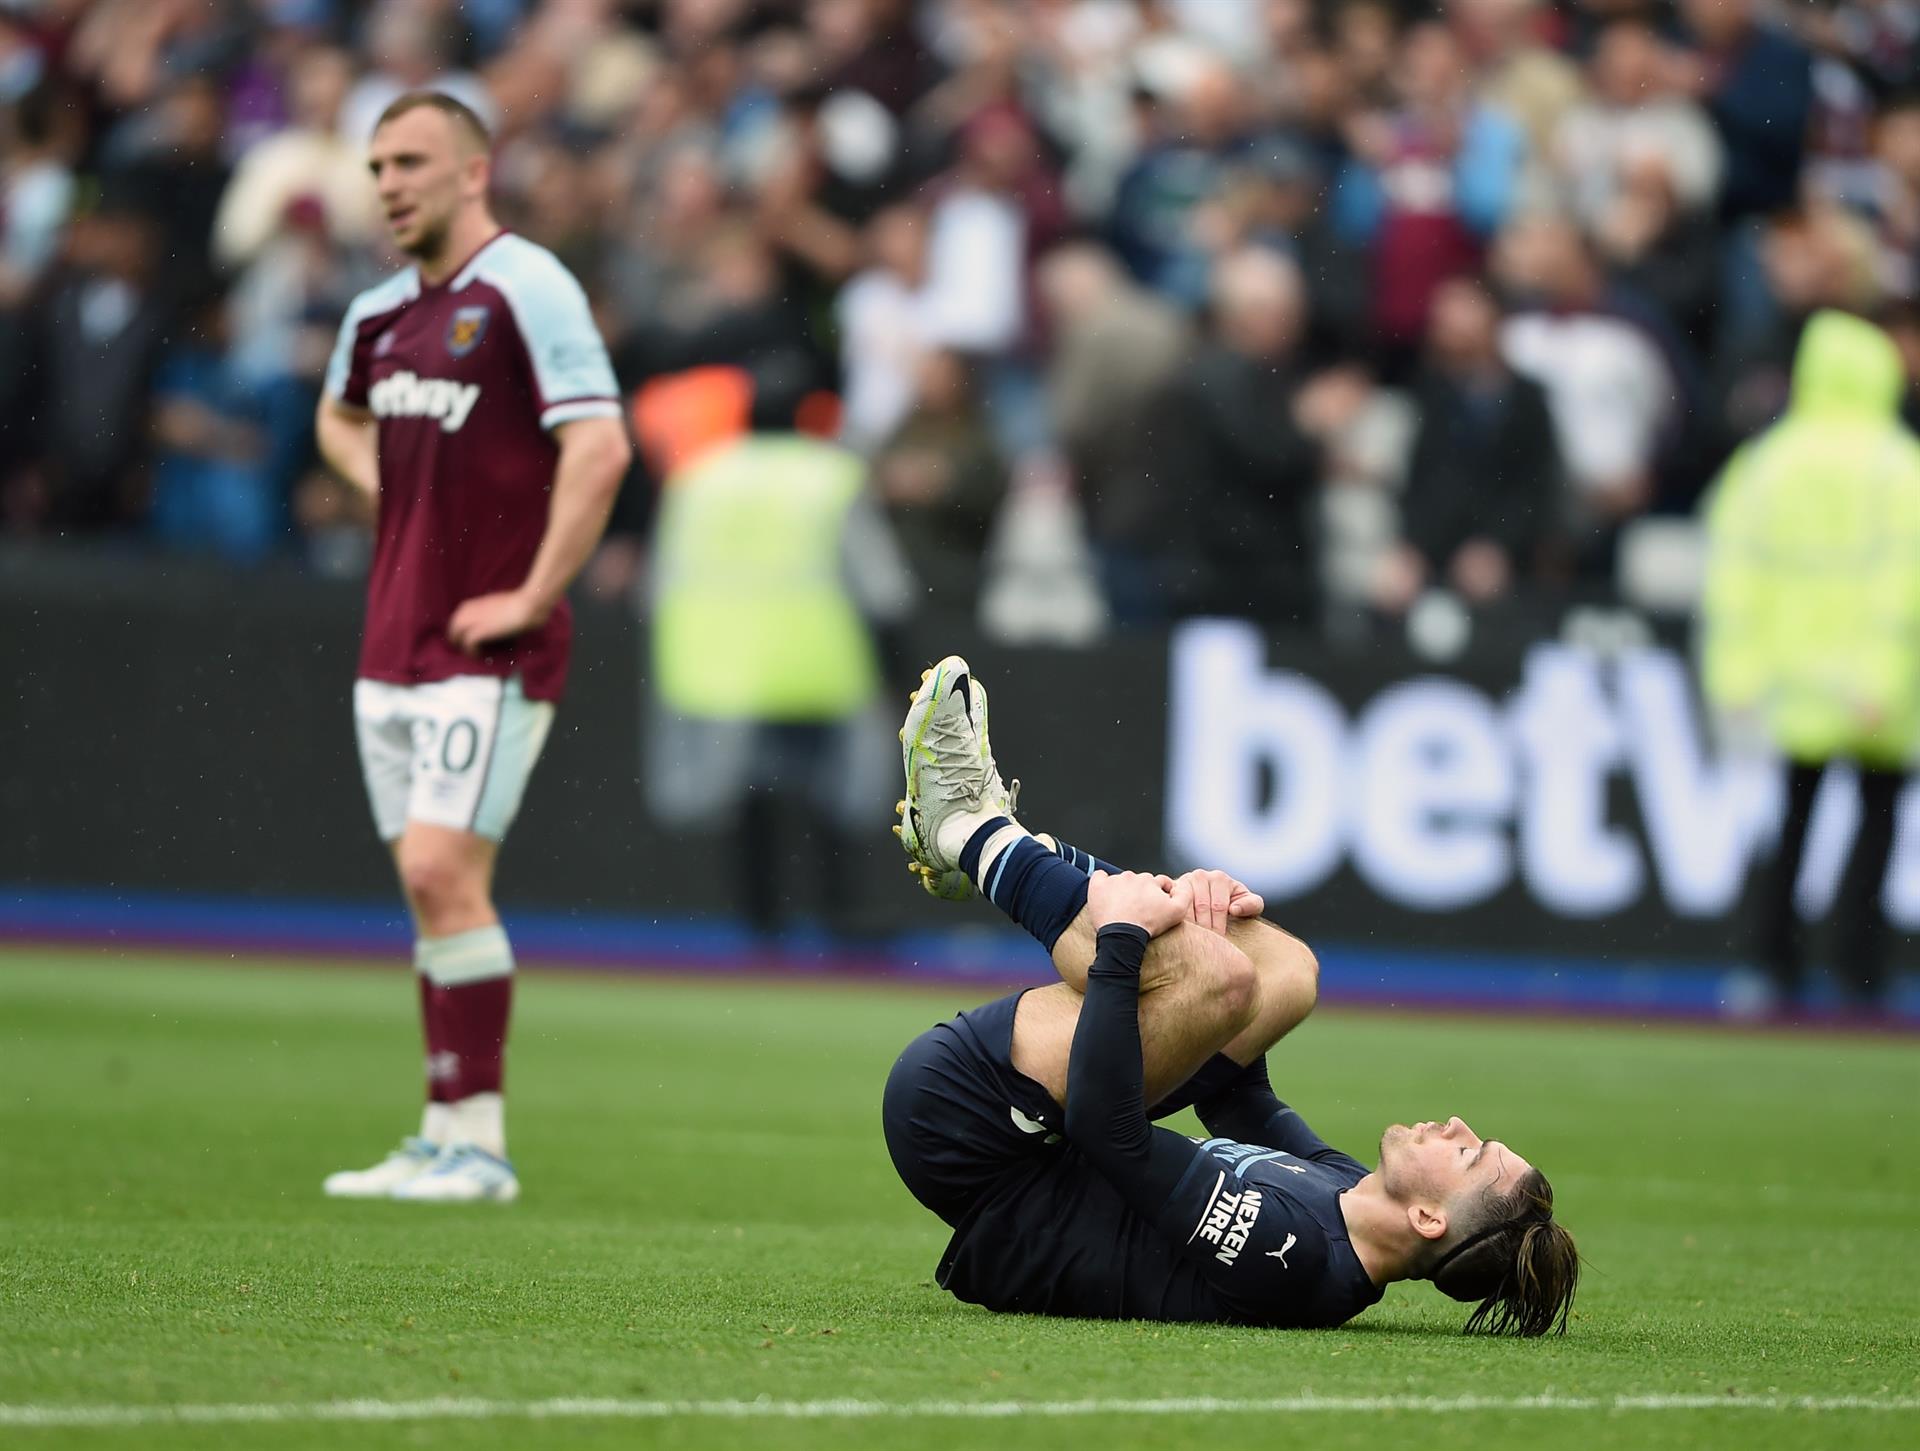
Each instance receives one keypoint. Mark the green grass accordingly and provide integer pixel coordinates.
(710, 1214)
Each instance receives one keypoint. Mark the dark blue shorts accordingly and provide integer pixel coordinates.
(959, 1117)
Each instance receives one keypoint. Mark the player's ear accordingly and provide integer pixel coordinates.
(1427, 1221)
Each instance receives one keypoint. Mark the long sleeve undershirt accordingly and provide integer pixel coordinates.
(1106, 1093)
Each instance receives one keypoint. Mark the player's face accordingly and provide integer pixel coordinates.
(425, 173)
(1443, 1162)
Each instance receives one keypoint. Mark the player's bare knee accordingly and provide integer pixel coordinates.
(1288, 970)
(439, 886)
(1302, 970)
(1236, 986)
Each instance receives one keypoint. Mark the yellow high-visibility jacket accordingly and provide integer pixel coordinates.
(1811, 613)
(752, 617)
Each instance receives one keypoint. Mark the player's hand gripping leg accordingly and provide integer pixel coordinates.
(1198, 993)
(1286, 973)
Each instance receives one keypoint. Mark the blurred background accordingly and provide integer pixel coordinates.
(1300, 413)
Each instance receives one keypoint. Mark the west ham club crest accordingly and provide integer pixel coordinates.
(469, 325)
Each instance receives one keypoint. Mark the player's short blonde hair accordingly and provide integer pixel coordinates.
(465, 119)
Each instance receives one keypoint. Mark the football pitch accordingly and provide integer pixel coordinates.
(712, 1249)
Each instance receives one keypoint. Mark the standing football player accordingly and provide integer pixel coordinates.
(472, 398)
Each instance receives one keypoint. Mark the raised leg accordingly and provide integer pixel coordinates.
(1198, 994)
(1286, 977)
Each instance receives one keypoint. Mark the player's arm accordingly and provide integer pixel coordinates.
(1248, 1112)
(349, 444)
(1239, 1231)
(1106, 1088)
(344, 428)
(594, 453)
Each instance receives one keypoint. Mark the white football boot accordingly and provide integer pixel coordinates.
(406, 1163)
(950, 773)
(462, 1174)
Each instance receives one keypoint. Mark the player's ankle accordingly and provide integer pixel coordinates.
(988, 835)
(480, 1119)
(959, 829)
(436, 1123)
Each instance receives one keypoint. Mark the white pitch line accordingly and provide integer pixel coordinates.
(448, 1408)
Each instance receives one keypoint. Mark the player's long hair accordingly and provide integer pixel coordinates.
(1517, 1261)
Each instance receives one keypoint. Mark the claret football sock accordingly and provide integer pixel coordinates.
(1086, 861)
(1024, 879)
(467, 998)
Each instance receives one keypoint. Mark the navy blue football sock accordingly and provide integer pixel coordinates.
(1218, 1075)
(1085, 861)
(1030, 884)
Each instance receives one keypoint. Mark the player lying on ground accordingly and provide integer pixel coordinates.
(1027, 1126)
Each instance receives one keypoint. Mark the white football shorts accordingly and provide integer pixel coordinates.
(450, 753)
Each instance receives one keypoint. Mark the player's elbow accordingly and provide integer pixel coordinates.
(603, 452)
(616, 455)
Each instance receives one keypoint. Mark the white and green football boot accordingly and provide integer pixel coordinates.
(953, 784)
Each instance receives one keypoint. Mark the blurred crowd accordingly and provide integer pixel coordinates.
(1252, 306)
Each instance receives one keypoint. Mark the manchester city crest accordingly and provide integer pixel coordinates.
(469, 325)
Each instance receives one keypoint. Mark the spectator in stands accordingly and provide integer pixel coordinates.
(1635, 112)
(282, 316)
(1117, 348)
(1239, 449)
(36, 189)
(677, 206)
(990, 216)
(884, 333)
(1520, 72)
(1271, 197)
(941, 478)
(1756, 83)
(1642, 166)
(1615, 399)
(1818, 258)
(172, 170)
(873, 46)
(311, 158)
(1660, 250)
(1366, 42)
(733, 310)
(547, 196)
(98, 338)
(1484, 485)
(1196, 135)
(1894, 193)
(837, 163)
(212, 491)
(1430, 181)
(1811, 626)
(995, 209)
(407, 43)
(126, 52)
